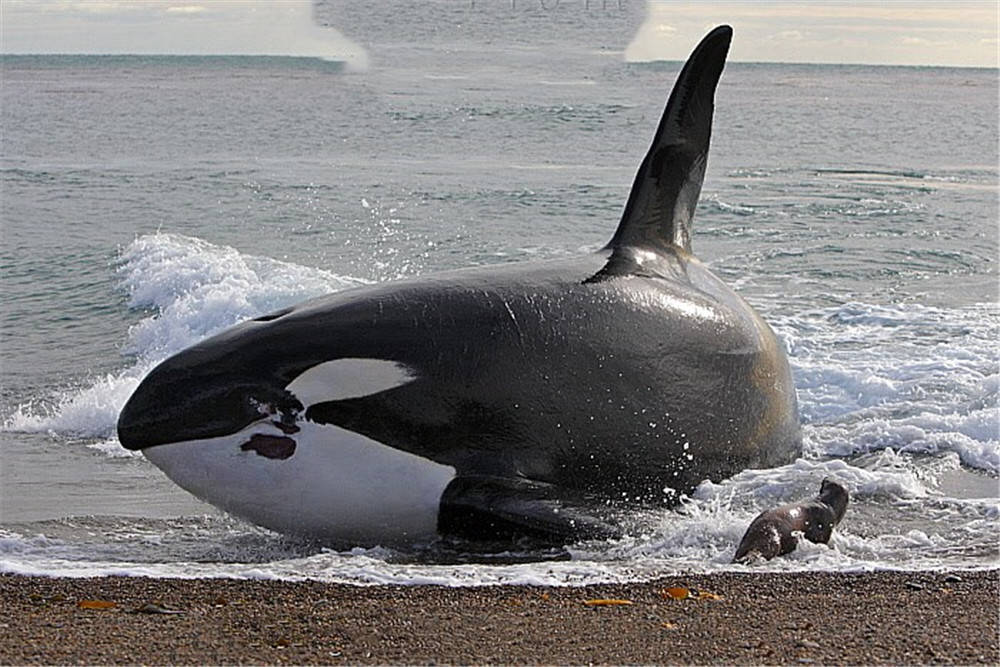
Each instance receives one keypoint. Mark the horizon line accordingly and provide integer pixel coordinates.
(344, 59)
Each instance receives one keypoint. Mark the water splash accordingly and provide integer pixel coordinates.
(188, 289)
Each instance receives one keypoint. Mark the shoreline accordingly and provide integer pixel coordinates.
(767, 618)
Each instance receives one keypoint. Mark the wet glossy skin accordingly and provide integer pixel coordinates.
(775, 532)
(622, 387)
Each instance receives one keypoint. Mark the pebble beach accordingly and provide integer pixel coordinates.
(731, 618)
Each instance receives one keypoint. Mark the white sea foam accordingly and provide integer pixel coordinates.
(191, 290)
(198, 289)
(914, 378)
(700, 537)
(89, 412)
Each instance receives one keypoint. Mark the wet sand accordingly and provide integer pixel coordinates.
(887, 617)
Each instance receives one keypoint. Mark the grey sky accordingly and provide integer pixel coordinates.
(197, 27)
(909, 32)
(890, 32)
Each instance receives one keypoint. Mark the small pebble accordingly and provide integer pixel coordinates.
(914, 586)
(153, 608)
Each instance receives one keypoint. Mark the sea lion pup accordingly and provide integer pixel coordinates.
(774, 532)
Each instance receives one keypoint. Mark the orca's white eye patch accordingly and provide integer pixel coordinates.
(341, 379)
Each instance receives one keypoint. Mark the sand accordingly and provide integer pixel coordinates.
(803, 618)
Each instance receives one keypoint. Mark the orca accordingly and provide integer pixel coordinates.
(542, 399)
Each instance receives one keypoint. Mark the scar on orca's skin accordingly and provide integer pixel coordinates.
(270, 446)
(773, 533)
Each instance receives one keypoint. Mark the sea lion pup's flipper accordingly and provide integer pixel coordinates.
(665, 192)
(482, 507)
(773, 533)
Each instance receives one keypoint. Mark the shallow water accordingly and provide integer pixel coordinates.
(151, 201)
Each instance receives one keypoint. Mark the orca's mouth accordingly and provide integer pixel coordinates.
(253, 417)
(153, 416)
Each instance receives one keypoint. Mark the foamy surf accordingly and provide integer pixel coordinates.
(894, 523)
(917, 379)
(186, 289)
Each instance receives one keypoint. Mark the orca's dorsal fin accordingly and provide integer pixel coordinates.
(666, 188)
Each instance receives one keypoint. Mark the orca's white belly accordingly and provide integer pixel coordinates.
(336, 485)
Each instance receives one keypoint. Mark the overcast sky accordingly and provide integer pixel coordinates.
(887, 32)
(190, 27)
(902, 32)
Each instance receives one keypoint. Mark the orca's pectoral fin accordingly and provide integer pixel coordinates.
(482, 507)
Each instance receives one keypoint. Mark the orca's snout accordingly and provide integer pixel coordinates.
(157, 414)
(132, 426)
(181, 401)
(141, 422)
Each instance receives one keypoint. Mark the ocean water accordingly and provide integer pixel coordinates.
(150, 201)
